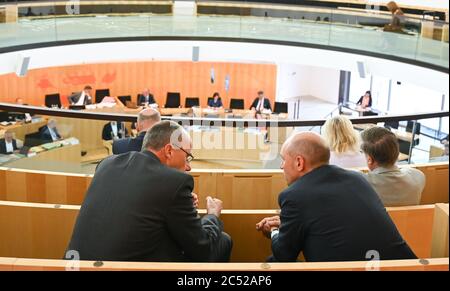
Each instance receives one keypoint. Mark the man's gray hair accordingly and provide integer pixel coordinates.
(162, 133)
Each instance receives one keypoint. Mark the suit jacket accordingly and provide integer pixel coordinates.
(141, 99)
(397, 187)
(219, 103)
(266, 103)
(128, 144)
(73, 99)
(107, 131)
(3, 146)
(45, 134)
(332, 214)
(137, 209)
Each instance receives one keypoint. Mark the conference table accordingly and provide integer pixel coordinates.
(89, 132)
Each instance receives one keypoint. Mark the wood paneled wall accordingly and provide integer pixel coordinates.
(238, 189)
(191, 79)
(45, 230)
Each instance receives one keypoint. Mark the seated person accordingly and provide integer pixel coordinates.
(395, 186)
(365, 102)
(146, 119)
(147, 212)
(50, 132)
(114, 130)
(8, 144)
(216, 101)
(260, 103)
(444, 141)
(81, 98)
(343, 142)
(328, 213)
(146, 98)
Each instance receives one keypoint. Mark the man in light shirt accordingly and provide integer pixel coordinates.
(81, 98)
(395, 186)
(114, 130)
(50, 132)
(8, 144)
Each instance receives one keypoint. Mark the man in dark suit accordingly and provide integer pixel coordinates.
(328, 213)
(8, 144)
(145, 98)
(114, 130)
(146, 119)
(260, 103)
(81, 98)
(50, 132)
(139, 207)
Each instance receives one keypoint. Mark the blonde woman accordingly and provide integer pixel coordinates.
(344, 143)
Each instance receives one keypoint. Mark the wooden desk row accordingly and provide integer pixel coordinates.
(42, 231)
(239, 189)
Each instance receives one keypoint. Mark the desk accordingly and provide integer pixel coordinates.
(21, 129)
(67, 153)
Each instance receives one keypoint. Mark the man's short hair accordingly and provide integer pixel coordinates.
(260, 92)
(87, 87)
(381, 144)
(155, 117)
(161, 134)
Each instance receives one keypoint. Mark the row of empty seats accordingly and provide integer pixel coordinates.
(45, 230)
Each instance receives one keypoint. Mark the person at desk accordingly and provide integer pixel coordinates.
(395, 186)
(261, 103)
(8, 144)
(146, 98)
(145, 121)
(216, 101)
(328, 213)
(365, 102)
(50, 132)
(114, 130)
(147, 212)
(81, 98)
(23, 116)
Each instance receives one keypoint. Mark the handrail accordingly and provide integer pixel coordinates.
(228, 122)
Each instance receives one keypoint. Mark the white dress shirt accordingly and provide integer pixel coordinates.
(81, 100)
(260, 105)
(114, 129)
(9, 147)
(53, 134)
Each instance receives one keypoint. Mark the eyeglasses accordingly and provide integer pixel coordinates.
(189, 156)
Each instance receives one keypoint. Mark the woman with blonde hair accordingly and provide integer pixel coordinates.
(344, 143)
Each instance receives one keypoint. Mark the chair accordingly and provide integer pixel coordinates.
(391, 124)
(53, 100)
(209, 99)
(280, 107)
(410, 125)
(369, 113)
(173, 100)
(236, 103)
(34, 139)
(124, 99)
(100, 94)
(191, 102)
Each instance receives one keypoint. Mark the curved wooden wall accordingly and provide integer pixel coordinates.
(191, 79)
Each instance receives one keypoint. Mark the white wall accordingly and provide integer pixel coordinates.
(298, 80)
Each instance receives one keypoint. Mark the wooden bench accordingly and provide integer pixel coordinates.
(42, 231)
(19, 264)
(239, 189)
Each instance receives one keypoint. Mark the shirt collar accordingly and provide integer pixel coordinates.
(381, 170)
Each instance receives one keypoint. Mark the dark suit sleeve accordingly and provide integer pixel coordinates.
(287, 245)
(195, 236)
(254, 104)
(151, 99)
(268, 105)
(359, 101)
(2, 146)
(106, 132)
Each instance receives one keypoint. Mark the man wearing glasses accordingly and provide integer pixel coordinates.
(139, 207)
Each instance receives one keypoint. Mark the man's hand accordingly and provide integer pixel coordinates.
(195, 199)
(213, 206)
(268, 224)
